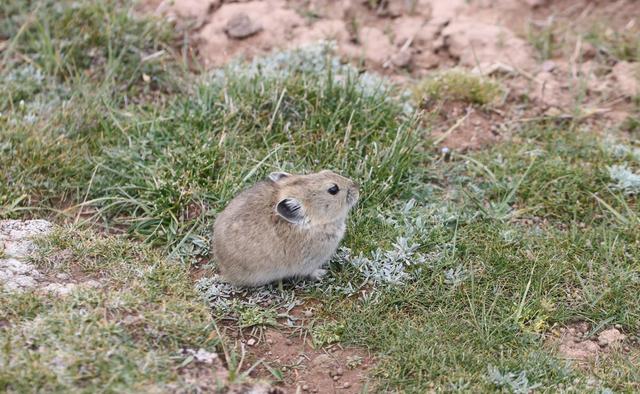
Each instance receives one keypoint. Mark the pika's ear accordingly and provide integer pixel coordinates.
(291, 210)
(276, 176)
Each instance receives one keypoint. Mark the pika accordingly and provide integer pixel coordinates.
(285, 226)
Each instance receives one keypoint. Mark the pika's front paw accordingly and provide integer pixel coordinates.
(317, 274)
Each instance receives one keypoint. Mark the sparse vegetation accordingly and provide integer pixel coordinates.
(453, 270)
(619, 44)
(125, 336)
(544, 38)
(457, 85)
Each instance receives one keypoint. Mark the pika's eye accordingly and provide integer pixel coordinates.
(333, 190)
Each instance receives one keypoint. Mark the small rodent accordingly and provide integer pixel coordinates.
(285, 226)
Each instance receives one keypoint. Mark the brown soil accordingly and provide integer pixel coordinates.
(576, 342)
(461, 126)
(332, 369)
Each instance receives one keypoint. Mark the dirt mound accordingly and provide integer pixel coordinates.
(576, 342)
(386, 35)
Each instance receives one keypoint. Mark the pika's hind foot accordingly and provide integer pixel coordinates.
(317, 274)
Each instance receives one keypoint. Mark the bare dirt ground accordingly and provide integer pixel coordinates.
(330, 369)
(535, 48)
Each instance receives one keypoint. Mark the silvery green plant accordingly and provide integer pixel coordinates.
(619, 150)
(456, 276)
(403, 261)
(515, 382)
(625, 180)
(224, 297)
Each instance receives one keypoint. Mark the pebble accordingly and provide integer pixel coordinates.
(305, 388)
(251, 341)
(241, 26)
(308, 313)
(401, 59)
(339, 371)
(63, 276)
(336, 377)
(610, 337)
(548, 66)
(288, 342)
(346, 385)
(322, 359)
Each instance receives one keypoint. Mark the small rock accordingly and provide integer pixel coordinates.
(62, 276)
(241, 26)
(548, 66)
(610, 337)
(204, 356)
(308, 313)
(401, 59)
(92, 284)
(582, 327)
(16, 235)
(288, 342)
(336, 377)
(305, 388)
(322, 359)
(396, 8)
(251, 341)
(340, 371)
(19, 283)
(60, 289)
(588, 51)
(346, 385)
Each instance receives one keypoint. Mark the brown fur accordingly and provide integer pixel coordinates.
(254, 243)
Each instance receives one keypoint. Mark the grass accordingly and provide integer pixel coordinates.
(465, 264)
(126, 336)
(618, 44)
(457, 85)
(544, 38)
